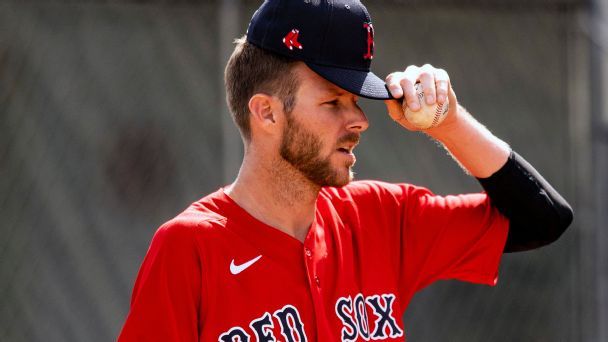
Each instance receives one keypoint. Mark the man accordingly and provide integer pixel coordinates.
(294, 250)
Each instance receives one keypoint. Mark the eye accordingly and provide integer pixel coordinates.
(332, 102)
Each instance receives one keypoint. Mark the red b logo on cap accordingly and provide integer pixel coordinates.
(370, 40)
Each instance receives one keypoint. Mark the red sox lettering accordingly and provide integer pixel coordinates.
(288, 318)
(353, 314)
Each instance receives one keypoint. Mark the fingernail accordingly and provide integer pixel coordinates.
(415, 106)
(441, 98)
(430, 99)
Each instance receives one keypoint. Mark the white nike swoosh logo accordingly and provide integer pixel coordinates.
(236, 269)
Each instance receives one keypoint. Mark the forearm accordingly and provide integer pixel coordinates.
(475, 148)
(537, 213)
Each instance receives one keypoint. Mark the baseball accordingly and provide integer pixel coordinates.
(428, 116)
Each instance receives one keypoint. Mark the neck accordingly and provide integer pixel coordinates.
(275, 193)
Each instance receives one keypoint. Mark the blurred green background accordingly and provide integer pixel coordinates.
(113, 120)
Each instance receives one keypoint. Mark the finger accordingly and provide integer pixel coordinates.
(442, 83)
(407, 82)
(427, 79)
(453, 99)
(392, 82)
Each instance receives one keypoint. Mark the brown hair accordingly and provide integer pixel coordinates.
(251, 70)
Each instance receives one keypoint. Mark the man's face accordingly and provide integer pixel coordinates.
(322, 130)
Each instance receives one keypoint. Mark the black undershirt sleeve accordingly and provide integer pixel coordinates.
(537, 213)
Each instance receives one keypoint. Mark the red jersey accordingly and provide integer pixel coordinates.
(215, 273)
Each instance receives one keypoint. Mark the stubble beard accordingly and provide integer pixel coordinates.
(302, 149)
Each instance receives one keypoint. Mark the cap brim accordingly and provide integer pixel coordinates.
(362, 83)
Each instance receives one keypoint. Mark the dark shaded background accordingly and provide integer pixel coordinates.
(112, 120)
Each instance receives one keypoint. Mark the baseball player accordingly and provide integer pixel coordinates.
(294, 249)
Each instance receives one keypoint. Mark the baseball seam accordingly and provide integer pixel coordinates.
(438, 114)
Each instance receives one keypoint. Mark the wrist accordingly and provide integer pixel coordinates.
(452, 127)
(473, 146)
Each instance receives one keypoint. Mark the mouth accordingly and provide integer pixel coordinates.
(346, 145)
(347, 153)
(345, 150)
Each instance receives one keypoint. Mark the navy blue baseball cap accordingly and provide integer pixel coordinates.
(335, 38)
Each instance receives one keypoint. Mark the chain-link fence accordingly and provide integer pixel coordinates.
(111, 122)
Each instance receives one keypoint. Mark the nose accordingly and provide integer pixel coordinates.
(357, 121)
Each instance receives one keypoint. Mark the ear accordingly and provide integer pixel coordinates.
(263, 110)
